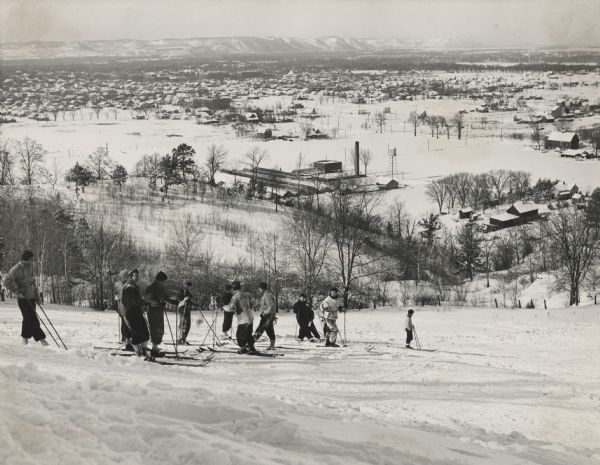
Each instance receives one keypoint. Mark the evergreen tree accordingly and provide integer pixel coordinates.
(119, 176)
(468, 255)
(81, 176)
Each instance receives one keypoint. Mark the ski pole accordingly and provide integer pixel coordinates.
(344, 327)
(171, 331)
(48, 331)
(50, 322)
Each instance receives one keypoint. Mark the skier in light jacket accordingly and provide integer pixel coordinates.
(240, 306)
(20, 280)
(268, 315)
(330, 307)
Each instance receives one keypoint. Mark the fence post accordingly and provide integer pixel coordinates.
(496, 300)
(595, 300)
(519, 303)
(545, 307)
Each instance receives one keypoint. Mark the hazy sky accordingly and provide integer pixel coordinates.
(494, 22)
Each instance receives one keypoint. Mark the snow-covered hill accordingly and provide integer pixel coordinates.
(504, 387)
(210, 46)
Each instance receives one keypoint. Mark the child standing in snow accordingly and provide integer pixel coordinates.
(408, 325)
(330, 307)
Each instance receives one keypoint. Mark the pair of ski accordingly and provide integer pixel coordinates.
(253, 354)
(169, 358)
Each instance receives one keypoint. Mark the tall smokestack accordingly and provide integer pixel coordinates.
(356, 158)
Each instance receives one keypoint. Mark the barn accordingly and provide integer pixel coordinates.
(504, 220)
(328, 166)
(524, 212)
(563, 140)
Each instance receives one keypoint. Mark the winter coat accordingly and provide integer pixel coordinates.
(118, 296)
(239, 304)
(330, 307)
(183, 293)
(408, 323)
(21, 281)
(155, 295)
(267, 305)
(131, 297)
(303, 311)
(227, 301)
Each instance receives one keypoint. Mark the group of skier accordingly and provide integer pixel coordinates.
(138, 328)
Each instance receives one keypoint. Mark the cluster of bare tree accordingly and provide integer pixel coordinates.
(437, 123)
(480, 190)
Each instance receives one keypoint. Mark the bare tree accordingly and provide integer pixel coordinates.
(499, 181)
(214, 162)
(309, 243)
(54, 173)
(352, 216)
(365, 157)
(380, 119)
(7, 161)
(30, 154)
(445, 124)
(414, 119)
(574, 242)
(149, 167)
(437, 192)
(100, 163)
(184, 241)
(255, 157)
(562, 124)
(536, 130)
(305, 129)
(458, 121)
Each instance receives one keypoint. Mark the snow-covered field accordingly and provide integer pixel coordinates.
(503, 387)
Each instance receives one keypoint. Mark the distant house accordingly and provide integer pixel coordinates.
(574, 153)
(564, 191)
(251, 117)
(328, 166)
(504, 220)
(524, 212)
(386, 183)
(465, 213)
(563, 140)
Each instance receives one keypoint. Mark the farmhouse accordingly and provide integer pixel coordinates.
(563, 140)
(564, 191)
(504, 220)
(524, 212)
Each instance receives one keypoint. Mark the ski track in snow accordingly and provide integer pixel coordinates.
(503, 387)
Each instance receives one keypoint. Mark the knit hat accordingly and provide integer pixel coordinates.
(262, 285)
(236, 285)
(334, 289)
(123, 275)
(411, 311)
(27, 254)
(161, 276)
(134, 271)
(303, 295)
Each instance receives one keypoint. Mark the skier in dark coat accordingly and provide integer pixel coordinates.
(303, 317)
(155, 296)
(184, 309)
(227, 311)
(409, 327)
(125, 327)
(21, 281)
(134, 314)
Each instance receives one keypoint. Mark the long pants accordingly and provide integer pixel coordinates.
(138, 325)
(331, 330)
(125, 331)
(313, 330)
(265, 325)
(185, 322)
(304, 329)
(227, 321)
(409, 336)
(156, 321)
(31, 325)
(244, 336)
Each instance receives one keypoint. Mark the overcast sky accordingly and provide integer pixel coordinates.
(491, 22)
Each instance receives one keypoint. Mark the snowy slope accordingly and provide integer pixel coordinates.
(504, 387)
